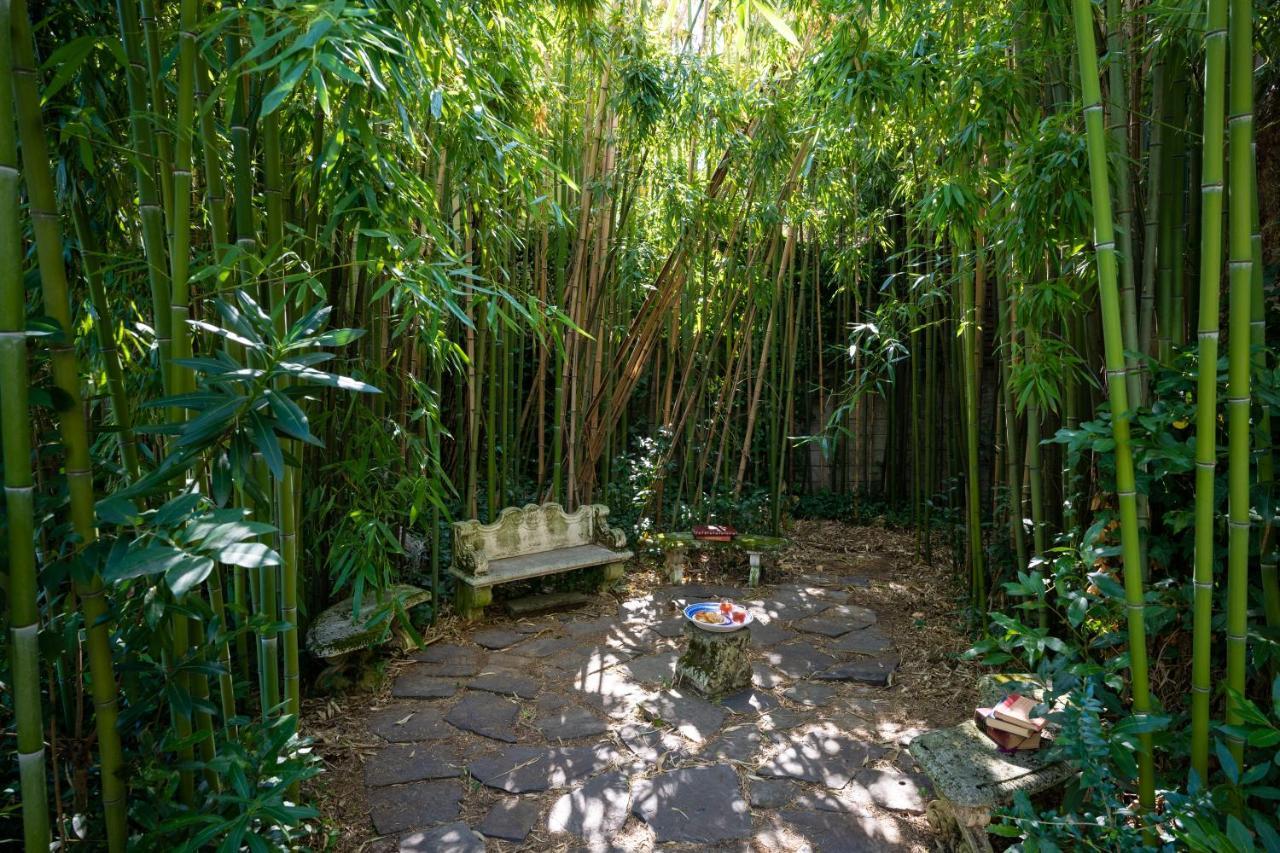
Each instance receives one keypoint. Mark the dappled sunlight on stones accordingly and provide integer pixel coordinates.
(694, 717)
(697, 804)
(594, 811)
(451, 838)
(486, 714)
(523, 769)
(510, 819)
(821, 754)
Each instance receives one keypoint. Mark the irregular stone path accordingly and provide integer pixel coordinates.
(564, 732)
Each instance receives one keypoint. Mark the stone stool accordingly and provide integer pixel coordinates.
(715, 664)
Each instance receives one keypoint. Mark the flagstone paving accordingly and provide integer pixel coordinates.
(565, 731)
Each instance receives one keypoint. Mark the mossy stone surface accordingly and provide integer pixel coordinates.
(337, 632)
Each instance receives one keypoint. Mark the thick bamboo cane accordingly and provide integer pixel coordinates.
(1113, 345)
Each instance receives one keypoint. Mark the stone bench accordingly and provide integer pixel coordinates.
(973, 778)
(675, 547)
(532, 542)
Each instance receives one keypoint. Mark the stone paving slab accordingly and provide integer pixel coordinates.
(878, 672)
(541, 647)
(823, 755)
(595, 811)
(701, 805)
(497, 638)
(837, 620)
(571, 723)
(409, 723)
(410, 762)
(505, 682)
(454, 837)
(525, 769)
(694, 717)
(416, 683)
(486, 714)
(798, 660)
(810, 693)
(402, 807)
(510, 819)
(658, 668)
(649, 743)
(449, 661)
(771, 793)
(834, 833)
(750, 701)
(866, 641)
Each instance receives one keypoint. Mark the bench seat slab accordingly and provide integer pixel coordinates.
(525, 566)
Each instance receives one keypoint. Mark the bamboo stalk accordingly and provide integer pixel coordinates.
(1113, 344)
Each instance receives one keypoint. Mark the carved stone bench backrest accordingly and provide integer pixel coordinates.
(533, 529)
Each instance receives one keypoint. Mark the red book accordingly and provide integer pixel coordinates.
(714, 532)
(1006, 741)
(1016, 709)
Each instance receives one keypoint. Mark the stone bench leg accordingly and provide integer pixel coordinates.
(676, 561)
(472, 600)
(962, 829)
(756, 558)
(610, 574)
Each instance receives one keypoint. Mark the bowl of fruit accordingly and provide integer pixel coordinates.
(718, 616)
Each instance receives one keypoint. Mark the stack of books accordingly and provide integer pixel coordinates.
(714, 532)
(1010, 723)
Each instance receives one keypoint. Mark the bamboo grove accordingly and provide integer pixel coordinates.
(286, 287)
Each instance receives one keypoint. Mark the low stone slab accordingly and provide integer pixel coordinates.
(829, 832)
(486, 714)
(868, 641)
(415, 683)
(497, 638)
(409, 762)
(699, 805)
(877, 672)
(837, 620)
(695, 718)
(449, 661)
(454, 837)
(525, 769)
(798, 660)
(410, 806)
(810, 693)
(966, 768)
(770, 793)
(825, 756)
(571, 723)
(595, 811)
(340, 629)
(510, 819)
(408, 724)
(506, 683)
(547, 603)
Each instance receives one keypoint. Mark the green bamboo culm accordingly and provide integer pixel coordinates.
(1211, 176)
(47, 228)
(19, 492)
(1240, 313)
(1113, 347)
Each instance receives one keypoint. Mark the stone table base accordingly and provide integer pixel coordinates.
(716, 665)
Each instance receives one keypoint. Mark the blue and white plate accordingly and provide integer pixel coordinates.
(727, 624)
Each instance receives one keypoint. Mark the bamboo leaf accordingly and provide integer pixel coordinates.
(187, 574)
(249, 555)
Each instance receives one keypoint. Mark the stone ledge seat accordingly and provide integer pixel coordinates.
(973, 778)
(529, 542)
